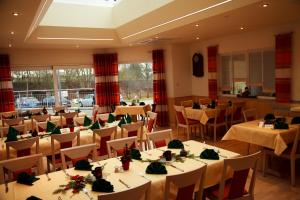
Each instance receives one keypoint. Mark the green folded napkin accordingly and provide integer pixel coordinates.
(111, 118)
(122, 121)
(56, 130)
(135, 154)
(26, 179)
(33, 198)
(196, 105)
(50, 126)
(175, 144)
(281, 125)
(128, 119)
(269, 117)
(95, 125)
(209, 154)
(101, 185)
(296, 120)
(12, 134)
(156, 168)
(87, 121)
(83, 165)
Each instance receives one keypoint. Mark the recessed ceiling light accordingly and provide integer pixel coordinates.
(264, 5)
(15, 14)
(197, 25)
(178, 18)
(156, 37)
(88, 39)
(10, 45)
(242, 28)
(12, 32)
(197, 38)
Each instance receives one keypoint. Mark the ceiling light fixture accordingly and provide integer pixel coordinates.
(9, 45)
(264, 5)
(178, 18)
(12, 32)
(156, 37)
(197, 38)
(85, 39)
(242, 28)
(197, 25)
(15, 14)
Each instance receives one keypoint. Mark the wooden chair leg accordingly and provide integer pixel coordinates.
(188, 133)
(215, 134)
(293, 172)
(264, 163)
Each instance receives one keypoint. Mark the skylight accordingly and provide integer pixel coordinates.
(103, 3)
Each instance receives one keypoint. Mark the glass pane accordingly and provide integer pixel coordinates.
(226, 73)
(268, 71)
(255, 69)
(136, 83)
(239, 66)
(32, 87)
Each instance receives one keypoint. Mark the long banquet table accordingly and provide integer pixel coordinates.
(86, 137)
(44, 188)
(250, 132)
(202, 115)
(132, 110)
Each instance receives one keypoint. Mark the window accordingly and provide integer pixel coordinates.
(31, 87)
(136, 83)
(255, 69)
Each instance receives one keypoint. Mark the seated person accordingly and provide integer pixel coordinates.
(246, 93)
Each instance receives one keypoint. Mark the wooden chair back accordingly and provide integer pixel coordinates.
(102, 116)
(13, 122)
(60, 108)
(186, 183)
(22, 147)
(35, 111)
(22, 129)
(180, 115)
(250, 114)
(132, 129)
(187, 103)
(221, 114)
(78, 121)
(78, 153)
(151, 121)
(69, 118)
(135, 193)
(10, 114)
(39, 118)
(42, 126)
(204, 101)
(105, 134)
(159, 138)
(116, 147)
(21, 164)
(237, 112)
(241, 167)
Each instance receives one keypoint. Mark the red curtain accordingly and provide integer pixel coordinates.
(6, 89)
(159, 88)
(212, 53)
(106, 80)
(283, 62)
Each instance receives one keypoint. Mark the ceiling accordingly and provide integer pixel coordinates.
(164, 21)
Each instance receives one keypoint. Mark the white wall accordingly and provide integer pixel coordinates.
(263, 38)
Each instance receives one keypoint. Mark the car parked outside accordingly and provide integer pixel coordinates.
(87, 101)
(28, 102)
(50, 101)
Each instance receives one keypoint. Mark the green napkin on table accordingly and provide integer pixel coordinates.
(33, 198)
(87, 121)
(209, 154)
(128, 119)
(135, 154)
(122, 121)
(95, 125)
(83, 165)
(156, 168)
(26, 179)
(196, 105)
(56, 130)
(296, 120)
(101, 185)
(111, 118)
(175, 144)
(12, 134)
(281, 125)
(50, 126)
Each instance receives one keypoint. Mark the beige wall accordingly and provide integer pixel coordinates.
(263, 38)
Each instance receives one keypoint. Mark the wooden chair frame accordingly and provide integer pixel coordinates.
(69, 115)
(252, 112)
(118, 144)
(153, 116)
(59, 108)
(187, 103)
(5, 115)
(20, 128)
(157, 136)
(13, 122)
(43, 125)
(216, 125)
(104, 132)
(22, 144)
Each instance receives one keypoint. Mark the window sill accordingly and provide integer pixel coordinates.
(266, 97)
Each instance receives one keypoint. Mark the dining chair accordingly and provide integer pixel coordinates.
(292, 153)
(134, 129)
(102, 116)
(151, 121)
(235, 187)
(38, 118)
(35, 111)
(69, 117)
(95, 112)
(78, 120)
(13, 122)
(105, 134)
(16, 166)
(42, 126)
(9, 115)
(250, 114)
(236, 113)
(184, 122)
(187, 103)
(74, 154)
(60, 109)
(22, 147)
(116, 147)
(204, 101)
(134, 193)
(64, 141)
(186, 183)
(159, 138)
(22, 129)
(294, 113)
(219, 120)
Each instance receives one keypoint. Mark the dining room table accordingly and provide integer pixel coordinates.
(132, 110)
(202, 115)
(86, 137)
(123, 180)
(255, 132)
